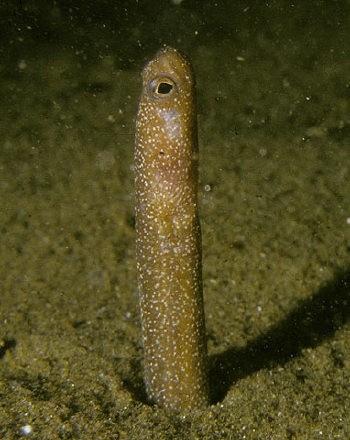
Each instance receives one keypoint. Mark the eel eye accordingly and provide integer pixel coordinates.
(161, 87)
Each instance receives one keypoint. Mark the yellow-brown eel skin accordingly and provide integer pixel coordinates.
(168, 236)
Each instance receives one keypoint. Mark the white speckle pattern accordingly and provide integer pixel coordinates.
(168, 239)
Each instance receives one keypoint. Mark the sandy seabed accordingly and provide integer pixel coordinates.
(274, 126)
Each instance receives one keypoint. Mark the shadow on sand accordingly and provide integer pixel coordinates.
(311, 322)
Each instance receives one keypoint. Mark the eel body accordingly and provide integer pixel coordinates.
(168, 237)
